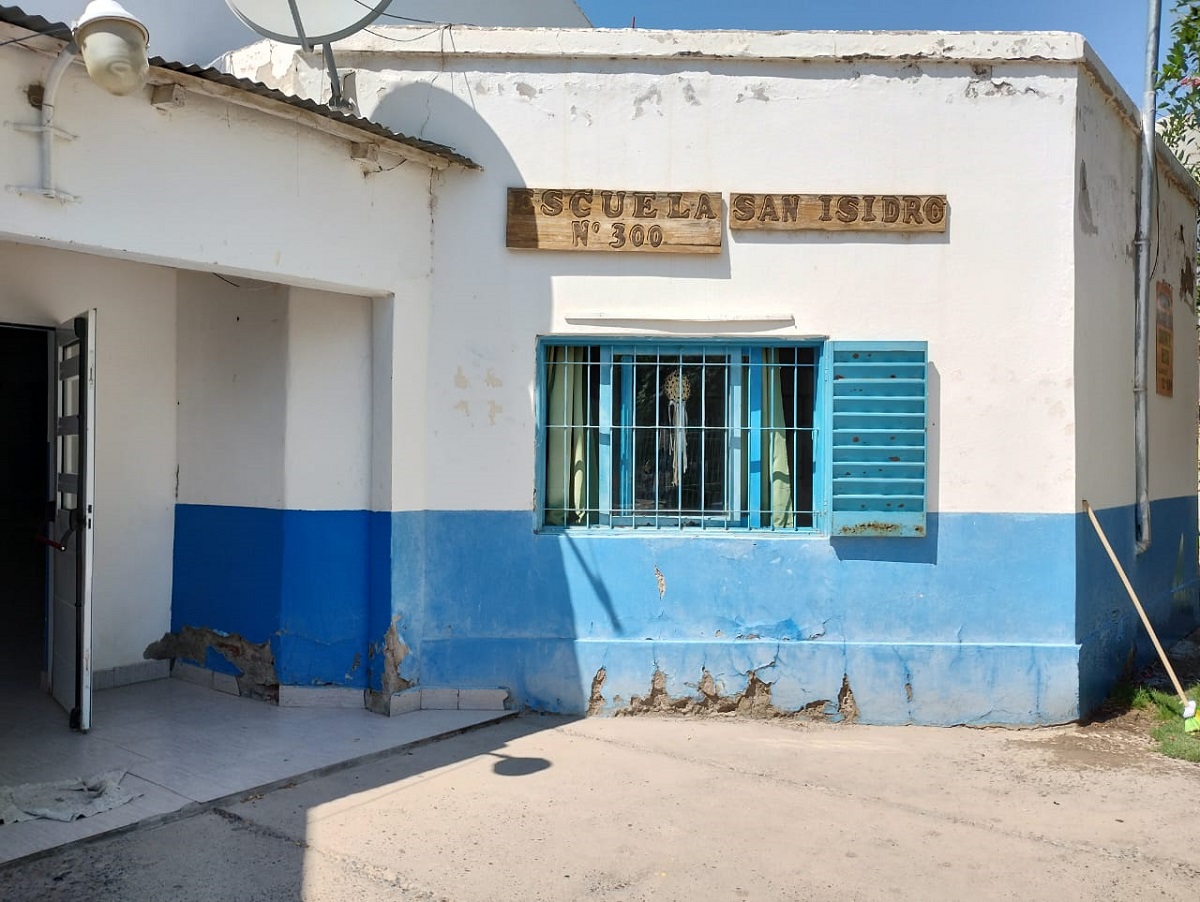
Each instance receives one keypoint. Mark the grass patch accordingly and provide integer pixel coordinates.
(1165, 708)
(1172, 741)
(1127, 695)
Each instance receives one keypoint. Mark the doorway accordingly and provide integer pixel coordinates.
(25, 487)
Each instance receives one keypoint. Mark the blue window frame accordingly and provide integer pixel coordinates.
(715, 435)
(695, 435)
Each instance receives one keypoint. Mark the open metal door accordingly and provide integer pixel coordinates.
(71, 606)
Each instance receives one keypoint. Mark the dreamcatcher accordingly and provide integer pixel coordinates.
(678, 388)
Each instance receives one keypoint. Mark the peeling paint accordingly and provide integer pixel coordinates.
(661, 580)
(873, 528)
(596, 699)
(982, 84)
(654, 95)
(256, 677)
(846, 705)
(757, 92)
(394, 653)
(395, 650)
(753, 701)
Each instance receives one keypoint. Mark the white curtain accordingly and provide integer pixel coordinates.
(572, 474)
(777, 471)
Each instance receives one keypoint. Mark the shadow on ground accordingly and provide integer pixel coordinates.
(256, 846)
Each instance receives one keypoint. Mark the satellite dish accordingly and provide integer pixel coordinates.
(307, 22)
(311, 22)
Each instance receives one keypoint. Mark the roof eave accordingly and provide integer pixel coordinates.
(244, 92)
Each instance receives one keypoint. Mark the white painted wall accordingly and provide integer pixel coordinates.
(328, 402)
(134, 423)
(214, 187)
(210, 186)
(274, 396)
(1173, 420)
(232, 391)
(401, 410)
(1105, 219)
(730, 113)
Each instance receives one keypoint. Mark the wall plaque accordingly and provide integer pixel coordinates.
(1164, 356)
(654, 222)
(839, 212)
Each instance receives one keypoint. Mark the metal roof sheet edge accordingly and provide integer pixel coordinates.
(13, 15)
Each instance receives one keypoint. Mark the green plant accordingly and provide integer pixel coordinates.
(1130, 695)
(1172, 741)
(1178, 84)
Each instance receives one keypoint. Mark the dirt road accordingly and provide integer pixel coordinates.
(544, 808)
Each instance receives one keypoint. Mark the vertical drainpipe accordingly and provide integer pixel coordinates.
(1141, 328)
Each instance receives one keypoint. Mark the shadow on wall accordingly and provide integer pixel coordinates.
(1111, 637)
(477, 599)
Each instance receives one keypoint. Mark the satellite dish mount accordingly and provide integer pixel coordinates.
(311, 22)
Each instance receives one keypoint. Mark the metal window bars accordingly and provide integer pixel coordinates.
(702, 436)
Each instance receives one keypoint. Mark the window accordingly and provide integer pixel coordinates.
(707, 435)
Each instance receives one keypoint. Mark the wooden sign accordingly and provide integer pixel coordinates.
(1164, 355)
(839, 212)
(646, 222)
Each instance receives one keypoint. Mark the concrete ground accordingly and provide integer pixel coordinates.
(182, 747)
(540, 808)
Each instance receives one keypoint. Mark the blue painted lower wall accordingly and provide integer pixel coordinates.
(991, 618)
(974, 623)
(298, 579)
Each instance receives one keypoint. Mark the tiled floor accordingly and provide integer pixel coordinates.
(183, 744)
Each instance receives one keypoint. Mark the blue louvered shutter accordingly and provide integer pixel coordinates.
(878, 444)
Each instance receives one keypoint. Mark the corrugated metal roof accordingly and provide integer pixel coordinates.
(13, 15)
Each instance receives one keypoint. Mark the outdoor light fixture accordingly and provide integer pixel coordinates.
(113, 45)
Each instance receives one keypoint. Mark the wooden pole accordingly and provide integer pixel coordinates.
(1137, 604)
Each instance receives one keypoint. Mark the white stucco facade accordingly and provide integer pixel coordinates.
(319, 410)
(965, 115)
(1026, 303)
(1106, 172)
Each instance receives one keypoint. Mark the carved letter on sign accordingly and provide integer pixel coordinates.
(839, 212)
(657, 222)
